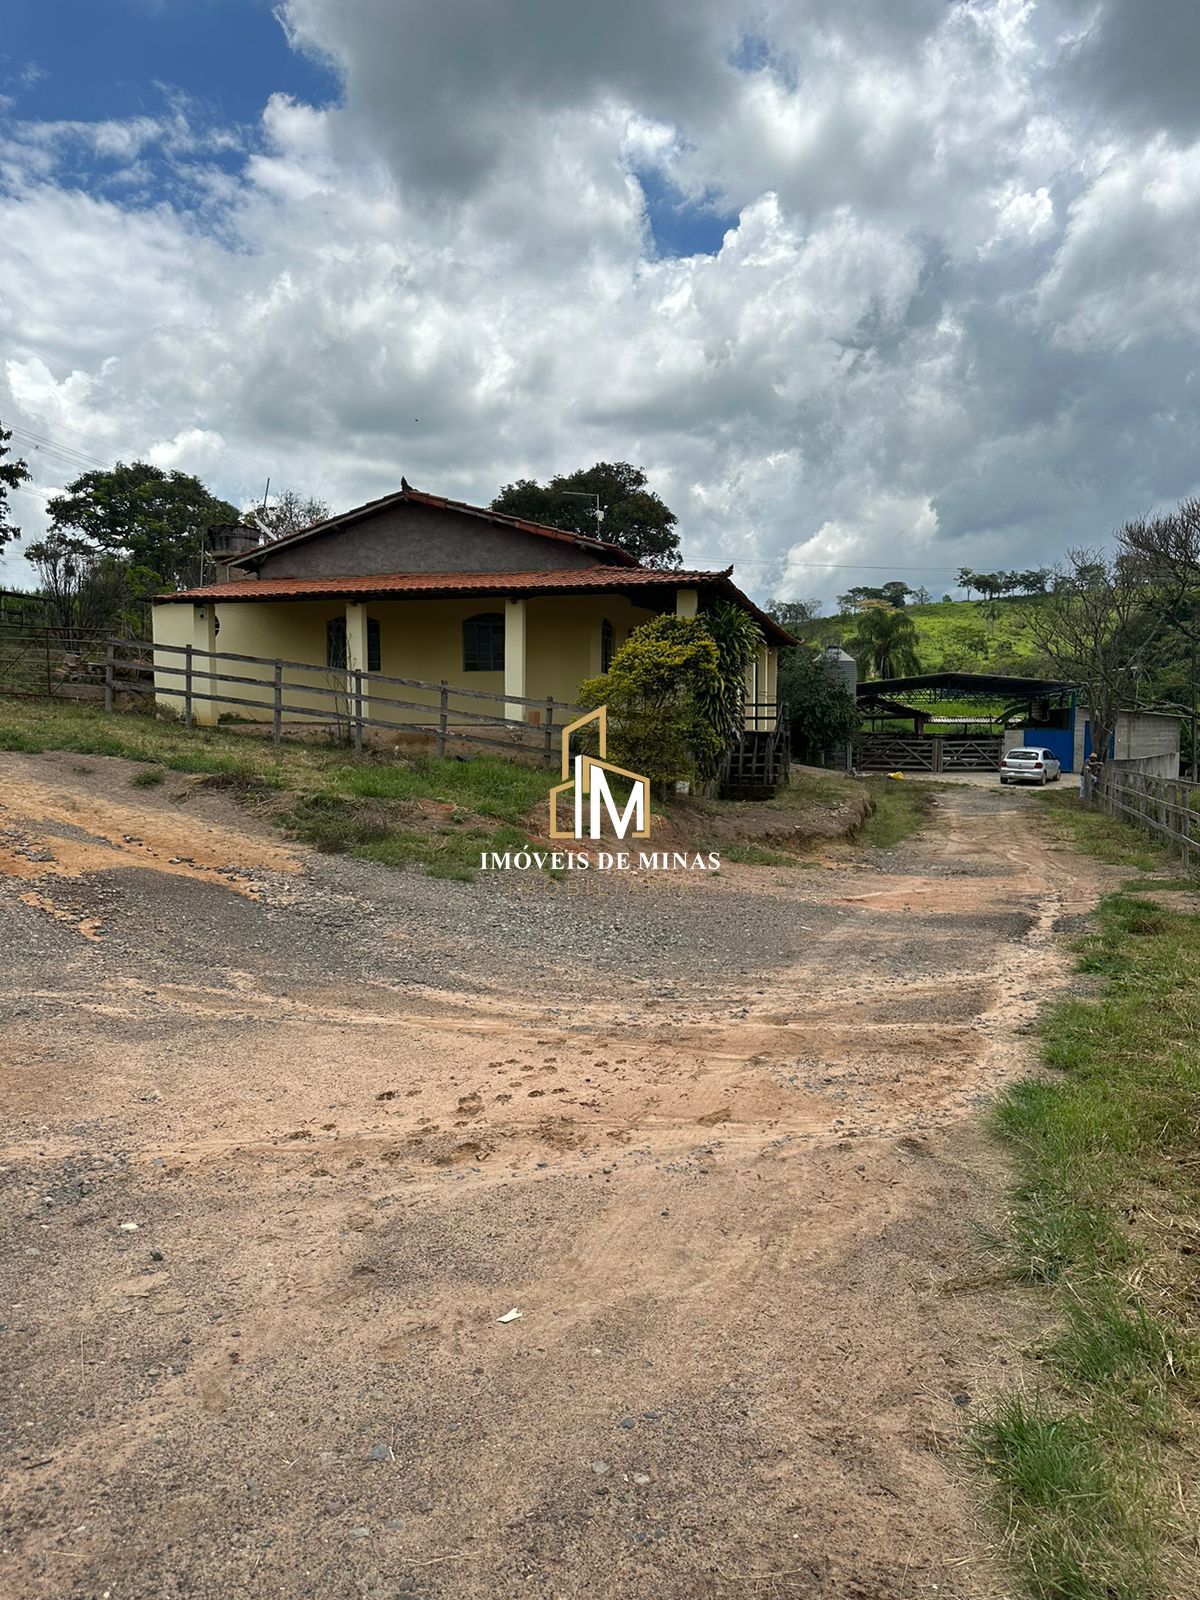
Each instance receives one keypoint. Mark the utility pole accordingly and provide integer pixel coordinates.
(1195, 710)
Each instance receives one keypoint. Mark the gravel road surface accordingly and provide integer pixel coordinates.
(288, 1135)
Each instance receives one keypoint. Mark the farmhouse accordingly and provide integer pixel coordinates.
(417, 587)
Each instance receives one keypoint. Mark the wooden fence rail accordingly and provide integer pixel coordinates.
(1166, 809)
(350, 699)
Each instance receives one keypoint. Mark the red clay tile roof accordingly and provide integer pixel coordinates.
(611, 553)
(560, 580)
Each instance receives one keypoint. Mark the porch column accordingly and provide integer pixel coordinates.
(687, 602)
(762, 686)
(204, 642)
(514, 659)
(356, 653)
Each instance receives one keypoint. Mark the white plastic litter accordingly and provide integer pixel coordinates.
(510, 1316)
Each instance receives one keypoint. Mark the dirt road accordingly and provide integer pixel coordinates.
(287, 1136)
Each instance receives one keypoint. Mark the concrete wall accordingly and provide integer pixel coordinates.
(415, 538)
(1147, 736)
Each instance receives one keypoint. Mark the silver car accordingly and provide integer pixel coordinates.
(1029, 764)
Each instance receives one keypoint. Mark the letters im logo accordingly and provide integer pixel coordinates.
(586, 778)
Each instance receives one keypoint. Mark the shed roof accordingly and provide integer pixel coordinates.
(964, 686)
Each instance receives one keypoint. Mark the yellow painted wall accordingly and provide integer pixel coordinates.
(418, 639)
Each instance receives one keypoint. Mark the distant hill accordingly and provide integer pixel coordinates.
(955, 636)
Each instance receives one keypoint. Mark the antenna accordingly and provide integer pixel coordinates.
(580, 494)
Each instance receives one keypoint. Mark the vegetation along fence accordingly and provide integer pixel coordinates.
(1168, 809)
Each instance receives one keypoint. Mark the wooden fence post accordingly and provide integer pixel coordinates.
(277, 709)
(443, 712)
(109, 666)
(358, 710)
(548, 733)
(187, 685)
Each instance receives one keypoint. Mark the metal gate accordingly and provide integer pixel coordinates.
(897, 752)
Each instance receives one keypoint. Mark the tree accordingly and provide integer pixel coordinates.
(793, 614)
(895, 592)
(1163, 553)
(657, 691)
(966, 580)
(12, 475)
(631, 516)
(738, 639)
(153, 522)
(1094, 630)
(822, 713)
(288, 512)
(84, 592)
(885, 642)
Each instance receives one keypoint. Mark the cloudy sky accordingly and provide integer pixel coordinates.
(869, 287)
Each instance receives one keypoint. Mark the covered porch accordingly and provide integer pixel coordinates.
(309, 658)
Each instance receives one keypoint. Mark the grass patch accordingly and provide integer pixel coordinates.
(1108, 839)
(1103, 1212)
(900, 810)
(759, 855)
(438, 814)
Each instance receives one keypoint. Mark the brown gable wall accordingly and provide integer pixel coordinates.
(414, 538)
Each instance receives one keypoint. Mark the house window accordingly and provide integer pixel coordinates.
(335, 644)
(607, 644)
(483, 642)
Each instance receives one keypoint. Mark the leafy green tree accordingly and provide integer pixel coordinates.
(793, 614)
(885, 643)
(822, 713)
(12, 475)
(658, 690)
(632, 516)
(896, 593)
(154, 523)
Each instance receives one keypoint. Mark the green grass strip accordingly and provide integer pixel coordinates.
(1107, 1147)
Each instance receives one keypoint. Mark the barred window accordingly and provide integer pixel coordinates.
(483, 642)
(335, 644)
(607, 644)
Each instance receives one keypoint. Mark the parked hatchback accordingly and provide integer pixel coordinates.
(1030, 765)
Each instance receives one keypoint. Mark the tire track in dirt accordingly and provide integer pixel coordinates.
(736, 1215)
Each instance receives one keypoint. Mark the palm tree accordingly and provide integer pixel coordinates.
(885, 643)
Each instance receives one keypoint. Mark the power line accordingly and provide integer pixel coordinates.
(67, 453)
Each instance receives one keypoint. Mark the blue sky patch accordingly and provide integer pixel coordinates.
(680, 227)
(89, 60)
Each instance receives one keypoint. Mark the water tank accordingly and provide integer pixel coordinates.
(844, 665)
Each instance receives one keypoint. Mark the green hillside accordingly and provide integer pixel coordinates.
(955, 636)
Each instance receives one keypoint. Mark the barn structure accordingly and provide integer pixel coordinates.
(964, 722)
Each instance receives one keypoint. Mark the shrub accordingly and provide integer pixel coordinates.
(658, 689)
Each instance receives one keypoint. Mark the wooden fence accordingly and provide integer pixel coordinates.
(351, 701)
(896, 752)
(1167, 809)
